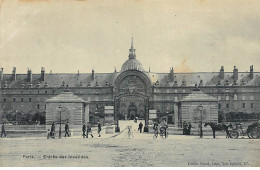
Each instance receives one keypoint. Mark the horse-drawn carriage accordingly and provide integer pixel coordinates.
(253, 130)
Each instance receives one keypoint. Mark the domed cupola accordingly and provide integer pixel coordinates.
(132, 63)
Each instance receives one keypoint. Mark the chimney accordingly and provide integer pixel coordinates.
(93, 74)
(42, 73)
(251, 75)
(171, 74)
(235, 73)
(14, 74)
(1, 74)
(29, 75)
(221, 73)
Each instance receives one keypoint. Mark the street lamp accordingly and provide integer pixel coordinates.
(60, 109)
(201, 109)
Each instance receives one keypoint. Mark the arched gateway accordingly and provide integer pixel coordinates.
(132, 90)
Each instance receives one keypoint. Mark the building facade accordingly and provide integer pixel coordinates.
(132, 91)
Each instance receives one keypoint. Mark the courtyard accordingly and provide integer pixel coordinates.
(141, 150)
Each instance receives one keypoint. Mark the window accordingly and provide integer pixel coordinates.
(251, 97)
(30, 92)
(235, 97)
(175, 90)
(38, 92)
(243, 97)
(243, 105)
(53, 91)
(227, 90)
(46, 92)
(30, 99)
(219, 106)
(175, 98)
(21, 92)
(252, 105)
(14, 99)
(227, 97)
(243, 90)
(183, 90)
(38, 106)
(4, 99)
(21, 99)
(219, 97)
(227, 106)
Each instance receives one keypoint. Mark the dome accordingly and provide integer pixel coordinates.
(132, 64)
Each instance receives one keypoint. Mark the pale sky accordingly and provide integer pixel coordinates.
(70, 35)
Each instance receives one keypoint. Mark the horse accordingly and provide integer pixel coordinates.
(218, 127)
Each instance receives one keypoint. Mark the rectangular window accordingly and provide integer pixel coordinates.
(38, 106)
(46, 92)
(227, 105)
(21, 99)
(183, 90)
(219, 106)
(243, 97)
(38, 92)
(53, 91)
(30, 99)
(21, 92)
(252, 105)
(243, 105)
(4, 99)
(14, 99)
(219, 97)
(251, 97)
(235, 97)
(227, 97)
(175, 90)
(243, 90)
(175, 98)
(227, 90)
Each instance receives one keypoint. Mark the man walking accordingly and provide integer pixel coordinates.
(52, 129)
(67, 129)
(89, 131)
(84, 130)
(140, 127)
(99, 128)
(3, 130)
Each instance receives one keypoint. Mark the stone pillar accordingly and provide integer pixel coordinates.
(176, 117)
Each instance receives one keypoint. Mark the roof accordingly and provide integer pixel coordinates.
(132, 64)
(199, 96)
(65, 97)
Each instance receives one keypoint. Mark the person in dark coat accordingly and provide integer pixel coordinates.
(89, 131)
(3, 130)
(99, 129)
(84, 130)
(189, 128)
(67, 129)
(185, 128)
(52, 129)
(140, 127)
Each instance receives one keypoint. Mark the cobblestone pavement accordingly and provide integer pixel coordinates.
(141, 150)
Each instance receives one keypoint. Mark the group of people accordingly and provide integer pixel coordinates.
(162, 128)
(86, 129)
(186, 128)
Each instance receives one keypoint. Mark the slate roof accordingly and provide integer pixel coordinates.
(107, 79)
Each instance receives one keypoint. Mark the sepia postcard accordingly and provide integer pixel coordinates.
(135, 83)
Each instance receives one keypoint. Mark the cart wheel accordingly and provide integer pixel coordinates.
(233, 134)
(254, 133)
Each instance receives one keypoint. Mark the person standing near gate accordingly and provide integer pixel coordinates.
(67, 129)
(189, 128)
(99, 128)
(3, 130)
(140, 127)
(84, 130)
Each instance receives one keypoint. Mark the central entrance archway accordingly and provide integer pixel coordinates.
(132, 112)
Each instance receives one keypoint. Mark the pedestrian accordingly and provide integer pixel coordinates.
(89, 131)
(185, 128)
(84, 130)
(67, 129)
(52, 129)
(3, 130)
(99, 128)
(164, 126)
(140, 127)
(189, 128)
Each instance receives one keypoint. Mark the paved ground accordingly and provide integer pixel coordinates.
(142, 150)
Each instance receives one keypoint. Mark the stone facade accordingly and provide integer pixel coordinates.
(132, 91)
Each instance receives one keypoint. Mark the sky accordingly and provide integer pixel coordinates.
(70, 35)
